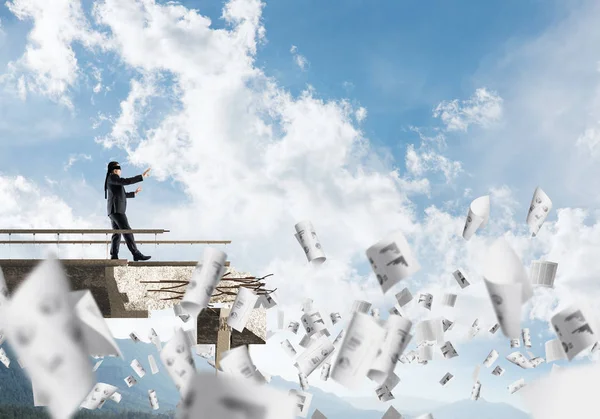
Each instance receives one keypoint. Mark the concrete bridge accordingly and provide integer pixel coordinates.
(127, 289)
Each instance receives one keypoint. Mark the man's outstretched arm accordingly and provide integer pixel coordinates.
(114, 179)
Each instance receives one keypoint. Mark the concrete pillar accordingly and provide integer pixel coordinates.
(223, 336)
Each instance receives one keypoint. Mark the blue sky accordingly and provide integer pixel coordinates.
(235, 157)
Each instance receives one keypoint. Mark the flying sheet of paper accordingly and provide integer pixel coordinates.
(392, 260)
(318, 415)
(476, 371)
(449, 300)
(97, 365)
(153, 399)
(515, 343)
(134, 337)
(397, 337)
(536, 361)
(507, 285)
(384, 394)
(425, 300)
(303, 380)
(491, 358)
(460, 279)
(576, 328)
(293, 327)
(361, 343)
(335, 317)
(448, 350)
(220, 396)
(516, 386)
(425, 353)
(391, 413)
(180, 313)
(45, 333)
(205, 278)
(177, 358)
(361, 306)
(288, 348)
(313, 323)
(479, 212)
(238, 363)
(389, 384)
(153, 366)
(307, 305)
(396, 310)
(538, 211)
(476, 391)
(542, 273)
(137, 368)
(325, 371)
(205, 350)
(303, 401)
(526, 337)
(153, 336)
(429, 331)
(494, 328)
(338, 339)
(130, 381)
(268, 301)
(96, 333)
(97, 396)
(315, 355)
(447, 324)
(308, 340)
(425, 416)
(375, 313)
(519, 359)
(446, 379)
(307, 237)
(116, 397)
(564, 393)
(498, 371)
(474, 330)
(241, 309)
(404, 297)
(4, 359)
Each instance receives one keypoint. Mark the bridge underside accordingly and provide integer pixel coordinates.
(115, 285)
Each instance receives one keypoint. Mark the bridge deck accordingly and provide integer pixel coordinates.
(102, 262)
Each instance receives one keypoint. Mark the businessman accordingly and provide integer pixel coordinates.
(116, 206)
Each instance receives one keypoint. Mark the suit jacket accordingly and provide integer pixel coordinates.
(116, 195)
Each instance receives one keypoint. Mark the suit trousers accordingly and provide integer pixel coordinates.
(119, 222)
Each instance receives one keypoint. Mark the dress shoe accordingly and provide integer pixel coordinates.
(114, 257)
(139, 256)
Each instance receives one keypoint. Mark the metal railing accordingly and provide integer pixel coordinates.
(106, 242)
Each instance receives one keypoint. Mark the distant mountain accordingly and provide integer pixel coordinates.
(404, 404)
(15, 390)
(329, 404)
(15, 386)
(480, 409)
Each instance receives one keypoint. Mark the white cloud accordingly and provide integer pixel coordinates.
(360, 114)
(253, 160)
(49, 60)
(428, 159)
(75, 157)
(125, 128)
(300, 60)
(484, 108)
(590, 141)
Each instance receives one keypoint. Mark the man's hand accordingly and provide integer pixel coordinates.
(146, 173)
(137, 190)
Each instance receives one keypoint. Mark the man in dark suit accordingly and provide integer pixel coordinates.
(116, 206)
